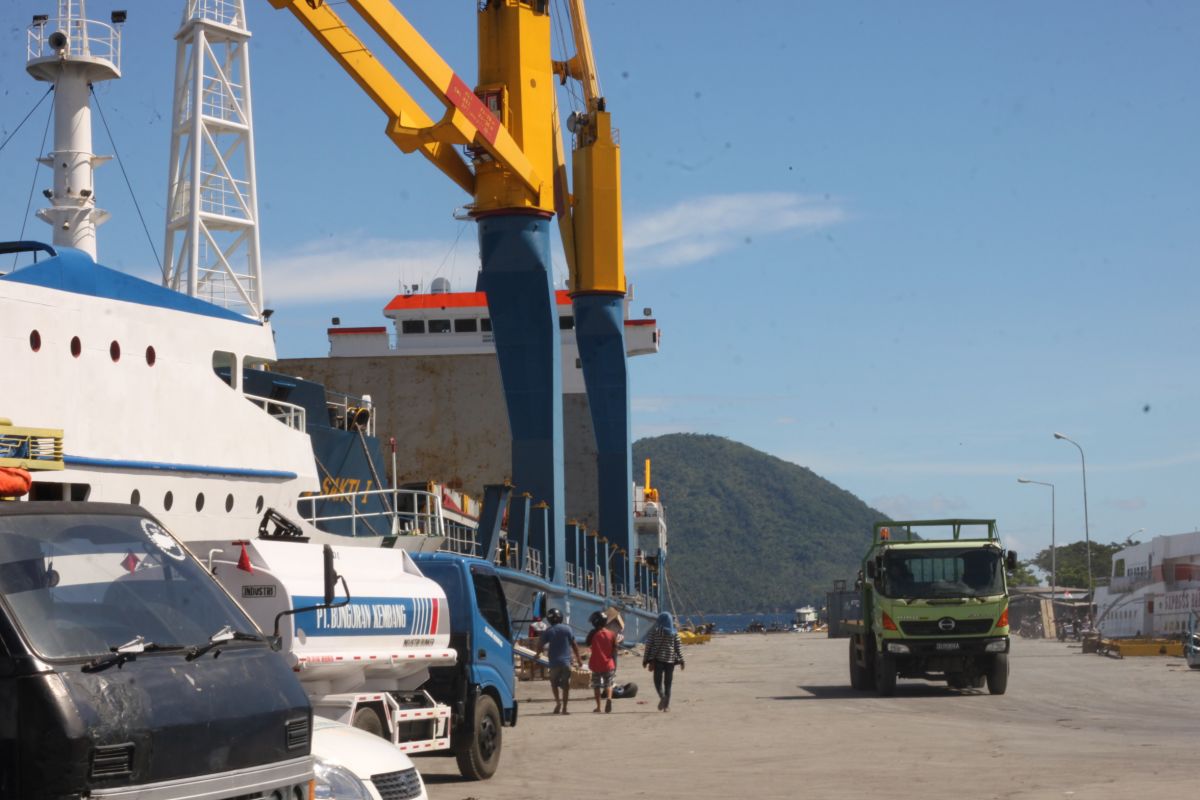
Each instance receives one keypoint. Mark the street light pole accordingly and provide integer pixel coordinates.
(1086, 533)
(1053, 548)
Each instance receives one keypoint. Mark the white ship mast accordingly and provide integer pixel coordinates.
(212, 201)
(73, 52)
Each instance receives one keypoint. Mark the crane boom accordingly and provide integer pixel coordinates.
(466, 120)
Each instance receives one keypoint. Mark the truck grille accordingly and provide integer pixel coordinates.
(297, 734)
(112, 760)
(400, 785)
(935, 627)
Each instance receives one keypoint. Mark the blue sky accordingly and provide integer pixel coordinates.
(900, 244)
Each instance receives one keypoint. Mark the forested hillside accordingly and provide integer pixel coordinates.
(749, 531)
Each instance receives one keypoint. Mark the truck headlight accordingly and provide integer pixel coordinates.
(338, 783)
(897, 647)
(998, 646)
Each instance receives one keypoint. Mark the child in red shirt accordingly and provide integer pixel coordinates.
(603, 665)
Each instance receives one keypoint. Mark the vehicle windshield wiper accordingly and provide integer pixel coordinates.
(223, 636)
(127, 652)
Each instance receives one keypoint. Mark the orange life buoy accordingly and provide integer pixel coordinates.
(14, 482)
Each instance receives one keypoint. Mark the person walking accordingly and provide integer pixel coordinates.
(602, 662)
(663, 651)
(559, 640)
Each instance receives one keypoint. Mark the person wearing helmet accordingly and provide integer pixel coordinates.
(559, 640)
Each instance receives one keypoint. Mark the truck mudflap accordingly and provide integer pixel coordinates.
(946, 647)
(283, 779)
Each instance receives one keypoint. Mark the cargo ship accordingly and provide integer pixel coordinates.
(436, 400)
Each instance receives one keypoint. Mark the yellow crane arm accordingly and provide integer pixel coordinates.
(596, 254)
(466, 121)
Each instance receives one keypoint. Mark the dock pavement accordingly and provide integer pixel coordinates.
(773, 716)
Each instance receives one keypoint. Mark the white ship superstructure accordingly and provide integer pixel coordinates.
(1154, 588)
(445, 323)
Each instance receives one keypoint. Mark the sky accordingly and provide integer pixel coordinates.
(900, 244)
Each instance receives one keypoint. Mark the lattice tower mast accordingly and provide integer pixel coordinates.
(73, 52)
(212, 248)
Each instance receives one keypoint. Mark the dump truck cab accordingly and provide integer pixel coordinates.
(935, 606)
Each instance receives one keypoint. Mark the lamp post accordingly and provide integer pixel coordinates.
(1086, 533)
(1053, 549)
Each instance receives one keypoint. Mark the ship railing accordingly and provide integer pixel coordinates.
(89, 38)
(346, 411)
(289, 414)
(460, 539)
(506, 554)
(533, 562)
(226, 12)
(378, 512)
(571, 576)
(1128, 583)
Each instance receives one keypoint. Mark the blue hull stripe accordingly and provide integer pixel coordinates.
(191, 469)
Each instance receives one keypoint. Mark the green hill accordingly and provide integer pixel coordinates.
(749, 531)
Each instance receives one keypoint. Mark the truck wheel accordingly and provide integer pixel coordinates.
(997, 675)
(479, 757)
(367, 719)
(858, 676)
(885, 675)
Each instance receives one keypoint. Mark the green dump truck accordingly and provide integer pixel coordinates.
(934, 606)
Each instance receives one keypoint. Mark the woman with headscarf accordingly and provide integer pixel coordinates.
(663, 651)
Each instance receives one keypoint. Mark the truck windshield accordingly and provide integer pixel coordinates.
(81, 584)
(929, 574)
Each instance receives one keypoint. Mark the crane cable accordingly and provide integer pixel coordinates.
(564, 42)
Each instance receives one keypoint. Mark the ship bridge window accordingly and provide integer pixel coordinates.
(439, 326)
(485, 325)
(225, 367)
(412, 326)
(566, 323)
(465, 326)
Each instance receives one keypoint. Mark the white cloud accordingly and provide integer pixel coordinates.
(350, 268)
(697, 229)
(345, 268)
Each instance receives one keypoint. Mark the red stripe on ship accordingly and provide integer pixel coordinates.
(433, 617)
(344, 331)
(454, 300)
(465, 101)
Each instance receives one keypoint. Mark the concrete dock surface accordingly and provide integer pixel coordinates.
(773, 716)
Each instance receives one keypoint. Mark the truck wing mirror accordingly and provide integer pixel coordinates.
(1010, 560)
(871, 569)
(331, 575)
(331, 580)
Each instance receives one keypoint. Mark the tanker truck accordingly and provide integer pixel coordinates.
(424, 662)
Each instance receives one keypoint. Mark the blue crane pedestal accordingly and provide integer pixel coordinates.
(516, 276)
(600, 334)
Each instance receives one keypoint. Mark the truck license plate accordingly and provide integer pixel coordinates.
(947, 645)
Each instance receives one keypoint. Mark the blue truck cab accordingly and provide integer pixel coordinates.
(480, 687)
